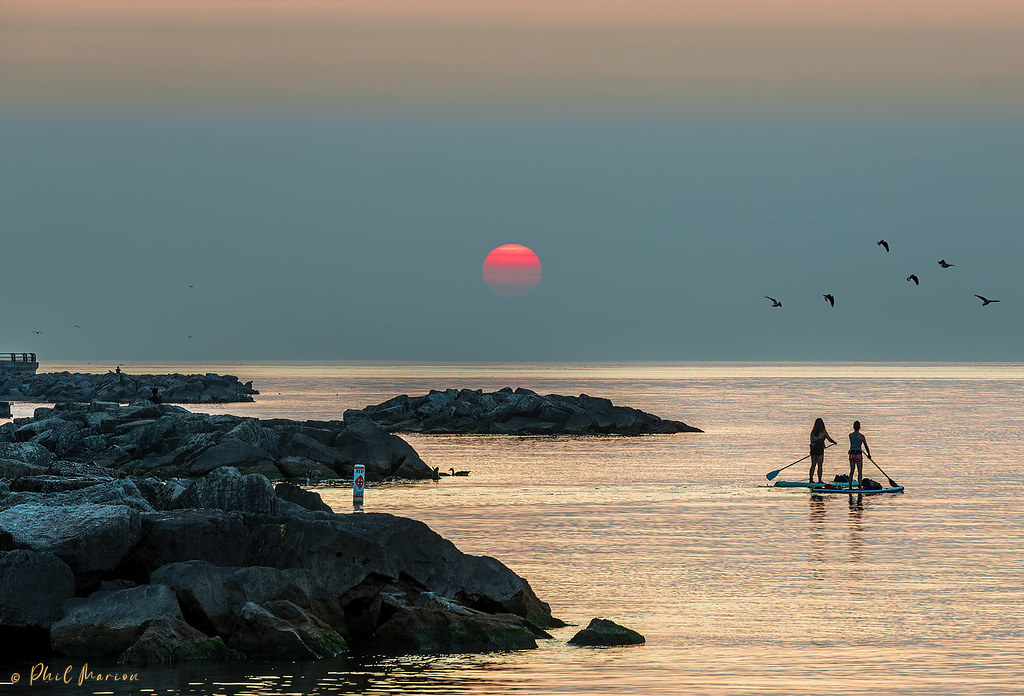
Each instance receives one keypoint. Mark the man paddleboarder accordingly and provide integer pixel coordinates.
(858, 447)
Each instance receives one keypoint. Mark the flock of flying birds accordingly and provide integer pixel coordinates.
(910, 278)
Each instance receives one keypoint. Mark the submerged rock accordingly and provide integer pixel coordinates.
(602, 632)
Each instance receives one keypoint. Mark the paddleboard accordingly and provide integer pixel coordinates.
(858, 491)
(804, 484)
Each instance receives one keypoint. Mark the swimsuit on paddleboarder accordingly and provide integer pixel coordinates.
(856, 454)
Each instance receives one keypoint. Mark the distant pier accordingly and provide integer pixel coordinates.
(15, 363)
(18, 362)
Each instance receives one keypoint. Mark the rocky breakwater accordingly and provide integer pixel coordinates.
(227, 566)
(169, 441)
(508, 412)
(53, 387)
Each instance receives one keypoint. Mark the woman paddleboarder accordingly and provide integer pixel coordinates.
(818, 437)
(857, 443)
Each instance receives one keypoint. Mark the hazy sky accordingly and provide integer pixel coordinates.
(330, 180)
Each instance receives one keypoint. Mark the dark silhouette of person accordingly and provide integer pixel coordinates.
(117, 370)
(155, 396)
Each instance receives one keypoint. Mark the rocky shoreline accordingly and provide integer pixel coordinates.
(149, 534)
(227, 566)
(169, 441)
(512, 412)
(56, 387)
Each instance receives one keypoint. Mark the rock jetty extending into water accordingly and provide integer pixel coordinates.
(55, 387)
(97, 565)
(508, 412)
(169, 441)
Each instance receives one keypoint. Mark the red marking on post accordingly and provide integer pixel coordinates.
(359, 481)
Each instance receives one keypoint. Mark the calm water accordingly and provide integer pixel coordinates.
(739, 588)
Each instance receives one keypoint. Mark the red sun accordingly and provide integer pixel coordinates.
(512, 270)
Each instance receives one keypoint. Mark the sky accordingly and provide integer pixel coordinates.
(270, 180)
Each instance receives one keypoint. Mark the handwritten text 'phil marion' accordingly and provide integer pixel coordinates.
(42, 674)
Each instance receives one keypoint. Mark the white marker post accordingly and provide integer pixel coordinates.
(358, 485)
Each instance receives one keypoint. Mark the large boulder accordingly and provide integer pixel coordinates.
(344, 550)
(33, 588)
(168, 640)
(212, 596)
(228, 452)
(227, 489)
(13, 468)
(282, 629)
(427, 623)
(30, 452)
(172, 536)
(110, 622)
(383, 454)
(88, 537)
(310, 500)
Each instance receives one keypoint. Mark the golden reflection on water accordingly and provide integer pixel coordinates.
(739, 588)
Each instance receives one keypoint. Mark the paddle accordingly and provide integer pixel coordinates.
(772, 474)
(892, 483)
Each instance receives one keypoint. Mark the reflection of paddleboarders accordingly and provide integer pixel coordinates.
(818, 437)
(857, 443)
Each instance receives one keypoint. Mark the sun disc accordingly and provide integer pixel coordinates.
(512, 270)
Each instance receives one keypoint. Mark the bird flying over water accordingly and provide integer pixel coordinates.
(942, 262)
(913, 278)
(985, 301)
(775, 303)
(831, 300)
(883, 243)
(37, 332)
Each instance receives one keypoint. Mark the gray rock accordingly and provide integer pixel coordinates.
(227, 489)
(310, 500)
(428, 623)
(602, 632)
(228, 452)
(108, 623)
(283, 630)
(166, 641)
(13, 468)
(29, 452)
(383, 454)
(344, 550)
(173, 536)
(212, 596)
(90, 538)
(33, 588)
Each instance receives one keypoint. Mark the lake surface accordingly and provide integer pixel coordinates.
(739, 588)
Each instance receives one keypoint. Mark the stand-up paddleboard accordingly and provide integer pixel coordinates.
(804, 484)
(857, 491)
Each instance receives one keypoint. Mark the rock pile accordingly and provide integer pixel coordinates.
(54, 387)
(508, 412)
(169, 441)
(223, 566)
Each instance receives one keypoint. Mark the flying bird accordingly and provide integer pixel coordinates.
(831, 300)
(985, 301)
(883, 243)
(76, 326)
(775, 303)
(913, 278)
(942, 262)
(37, 332)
